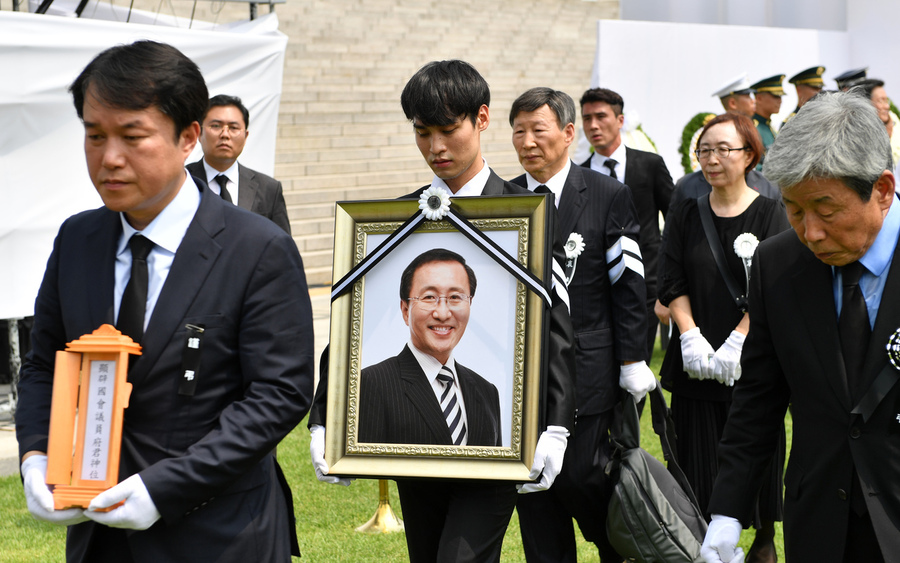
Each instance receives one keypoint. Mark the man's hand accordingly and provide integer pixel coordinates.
(317, 453)
(720, 543)
(662, 313)
(696, 354)
(726, 363)
(548, 459)
(637, 378)
(38, 497)
(137, 513)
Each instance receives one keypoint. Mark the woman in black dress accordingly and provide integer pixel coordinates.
(702, 365)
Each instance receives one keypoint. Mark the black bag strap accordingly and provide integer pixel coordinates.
(712, 237)
(625, 434)
(664, 427)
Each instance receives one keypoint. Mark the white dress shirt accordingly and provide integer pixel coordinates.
(472, 188)
(598, 162)
(554, 184)
(233, 175)
(166, 231)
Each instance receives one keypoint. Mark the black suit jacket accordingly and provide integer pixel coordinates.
(609, 318)
(257, 192)
(793, 355)
(206, 459)
(398, 405)
(560, 385)
(651, 188)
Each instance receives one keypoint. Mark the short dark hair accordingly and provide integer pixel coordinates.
(606, 96)
(559, 102)
(443, 92)
(866, 86)
(144, 74)
(745, 130)
(224, 100)
(427, 257)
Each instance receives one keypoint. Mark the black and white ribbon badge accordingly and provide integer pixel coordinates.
(190, 360)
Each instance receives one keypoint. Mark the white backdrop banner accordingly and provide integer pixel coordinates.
(667, 72)
(44, 175)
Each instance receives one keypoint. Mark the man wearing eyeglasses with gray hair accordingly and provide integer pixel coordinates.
(226, 127)
(423, 395)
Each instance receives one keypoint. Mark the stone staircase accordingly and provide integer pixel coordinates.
(342, 134)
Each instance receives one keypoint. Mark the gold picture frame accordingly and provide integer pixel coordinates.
(503, 306)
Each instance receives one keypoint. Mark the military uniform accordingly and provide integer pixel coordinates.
(809, 77)
(772, 86)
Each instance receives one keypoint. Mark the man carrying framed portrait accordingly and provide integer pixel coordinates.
(465, 519)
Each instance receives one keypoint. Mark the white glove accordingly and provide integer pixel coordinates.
(720, 543)
(39, 498)
(637, 379)
(137, 513)
(317, 453)
(726, 363)
(696, 354)
(548, 459)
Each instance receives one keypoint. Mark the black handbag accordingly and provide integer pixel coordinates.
(653, 515)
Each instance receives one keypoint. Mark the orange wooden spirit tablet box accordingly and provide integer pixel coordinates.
(90, 394)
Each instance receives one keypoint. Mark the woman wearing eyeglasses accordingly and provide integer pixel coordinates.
(710, 311)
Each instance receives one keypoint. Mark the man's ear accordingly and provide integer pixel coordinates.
(404, 310)
(883, 189)
(569, 132)
(483, 118)
(188, 138)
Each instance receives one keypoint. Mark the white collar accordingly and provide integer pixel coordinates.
(473, 187)
(167, 229)
(555, 184)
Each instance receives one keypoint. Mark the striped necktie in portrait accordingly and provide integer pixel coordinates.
(451, 407)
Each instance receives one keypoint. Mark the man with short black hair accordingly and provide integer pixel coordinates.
(824, 303)
(644, 172)
(172, 265)
(224, 132)
(609, 315)
(452, 520)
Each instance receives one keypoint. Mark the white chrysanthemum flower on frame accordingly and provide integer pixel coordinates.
(434, 203)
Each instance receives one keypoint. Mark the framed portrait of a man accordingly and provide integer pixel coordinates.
(435, 358)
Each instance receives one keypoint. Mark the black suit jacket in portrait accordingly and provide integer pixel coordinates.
(792, 355)
(651, 188)
(609, 318)
(257, 192)
(398, 405)
(205, 459)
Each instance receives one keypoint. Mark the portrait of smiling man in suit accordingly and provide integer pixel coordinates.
(423, 395)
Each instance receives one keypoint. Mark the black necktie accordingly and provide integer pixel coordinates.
(222, 180)
(542, 189)
(134, 298)
(853, 326)
(611, 164)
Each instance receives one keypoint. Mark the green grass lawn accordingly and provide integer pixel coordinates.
(327, 515)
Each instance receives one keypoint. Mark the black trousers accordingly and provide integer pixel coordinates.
(455, 521)
(581, 491)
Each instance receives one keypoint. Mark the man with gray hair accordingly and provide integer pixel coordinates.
(606, 289)
(824, 305)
